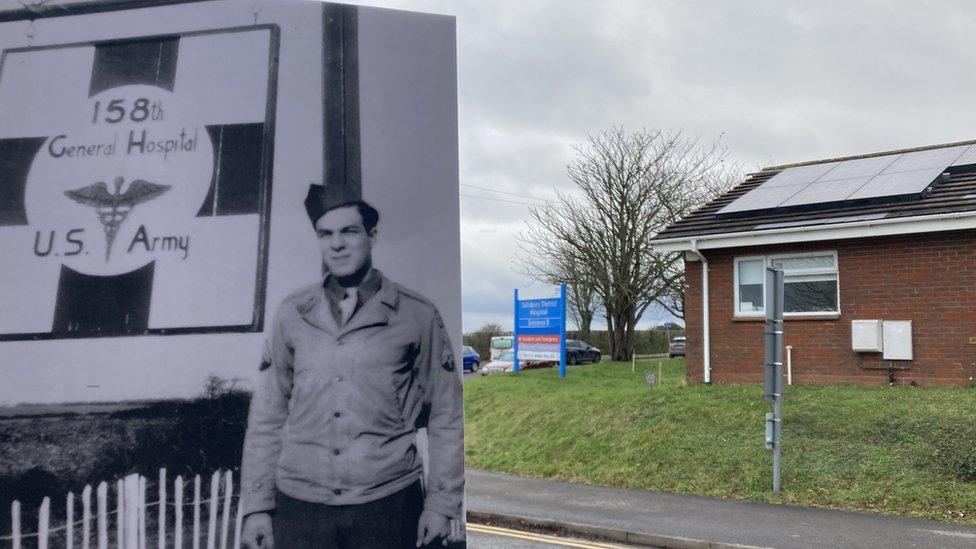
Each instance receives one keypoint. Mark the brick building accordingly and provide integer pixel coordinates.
(887, 237)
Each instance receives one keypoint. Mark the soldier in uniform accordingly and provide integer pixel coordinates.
(357, 364)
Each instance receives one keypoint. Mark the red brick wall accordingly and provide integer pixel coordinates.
(929, 279)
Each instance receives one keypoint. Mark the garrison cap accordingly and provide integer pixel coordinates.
(320, 199)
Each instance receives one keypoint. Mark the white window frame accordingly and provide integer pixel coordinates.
(767, 262)
(735, 287)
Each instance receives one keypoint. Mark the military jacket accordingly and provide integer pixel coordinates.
(334, 415)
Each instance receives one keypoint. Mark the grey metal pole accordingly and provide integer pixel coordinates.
(778, 399)
(777, 444)
(773, 388)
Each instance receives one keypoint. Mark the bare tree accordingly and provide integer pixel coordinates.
(583, 305)
(630, 187)
(672, 298)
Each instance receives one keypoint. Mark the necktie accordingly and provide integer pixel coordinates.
(348, 304)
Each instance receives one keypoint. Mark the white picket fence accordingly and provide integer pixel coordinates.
(132, 513)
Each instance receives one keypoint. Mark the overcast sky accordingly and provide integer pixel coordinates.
(779, 81)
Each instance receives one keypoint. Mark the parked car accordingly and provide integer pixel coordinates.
(677, 347)
(506, 363)
(580, 351)
(470, 357)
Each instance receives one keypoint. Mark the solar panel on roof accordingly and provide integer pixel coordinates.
(826, 191)
(921, 160)
(799, 175)
(897, 184)
(860, 167)
(871, 178)
(762, 198)
(967, 157)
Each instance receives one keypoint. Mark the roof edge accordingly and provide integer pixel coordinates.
(955, 221)
(867, 155)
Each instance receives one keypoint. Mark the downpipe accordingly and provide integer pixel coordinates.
(706, 346)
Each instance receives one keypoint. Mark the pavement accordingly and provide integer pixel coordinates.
(668, 520)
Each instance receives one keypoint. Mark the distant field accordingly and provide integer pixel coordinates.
(901, 450)
(28, 410)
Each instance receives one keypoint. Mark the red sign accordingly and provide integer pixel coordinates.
(539, 339)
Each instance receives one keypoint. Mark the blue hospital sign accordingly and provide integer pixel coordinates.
(134, 181)
(540, 329)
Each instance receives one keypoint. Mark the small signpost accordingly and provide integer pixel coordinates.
(773, 387)
(540, 329)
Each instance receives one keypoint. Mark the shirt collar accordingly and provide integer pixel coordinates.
(367, 288)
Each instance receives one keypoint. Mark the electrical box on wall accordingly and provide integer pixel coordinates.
(897, 339)
(867, 336)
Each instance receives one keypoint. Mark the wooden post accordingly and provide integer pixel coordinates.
(178, 513)
(196, 512)
(86, 517)
(238, 523)
(212, 520)
(120, 514)
(142, 512)
(15, 524)
(132, 512)
(102, 496)
(660, 374)
(225, 517)
(69, 526)
(161, 525)
(43, 521)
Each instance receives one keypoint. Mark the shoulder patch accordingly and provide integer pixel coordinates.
(447, 359)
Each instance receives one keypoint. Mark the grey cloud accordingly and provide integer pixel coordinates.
(783, 81)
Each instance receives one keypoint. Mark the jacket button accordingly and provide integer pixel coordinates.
(337, 491)
(337, 451)
(257, 484)
(337, 414)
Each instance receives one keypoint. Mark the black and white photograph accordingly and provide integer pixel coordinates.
(189, 191)
(301, 274)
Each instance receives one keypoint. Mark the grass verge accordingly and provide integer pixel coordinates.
(901, 450)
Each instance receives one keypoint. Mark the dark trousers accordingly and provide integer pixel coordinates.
(390, 522)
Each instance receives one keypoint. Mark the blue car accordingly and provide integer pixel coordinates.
(472, 360)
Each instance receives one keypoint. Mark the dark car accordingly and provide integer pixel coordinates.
(471, 358)
(580, 351)
(677, 347)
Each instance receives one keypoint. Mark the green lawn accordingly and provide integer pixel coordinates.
(894, 450)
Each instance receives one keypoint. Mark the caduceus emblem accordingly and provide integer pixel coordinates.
(113, 208)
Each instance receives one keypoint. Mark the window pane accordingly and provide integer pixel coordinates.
(751, 275)
(806, 262)
(751, 272)
(810, 294)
